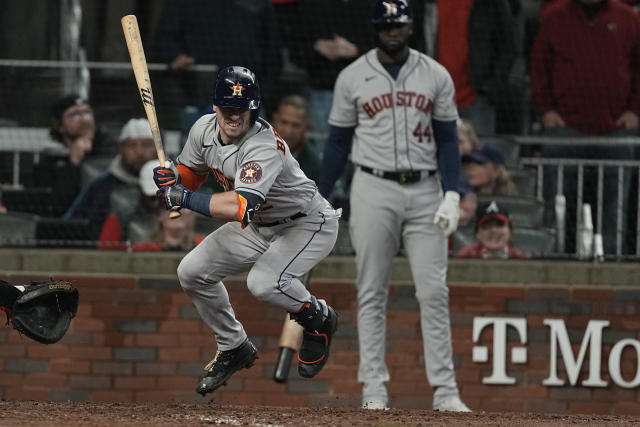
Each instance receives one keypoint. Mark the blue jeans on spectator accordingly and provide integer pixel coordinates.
(590, 182)
(481, 115)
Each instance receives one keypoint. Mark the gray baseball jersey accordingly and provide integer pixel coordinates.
(274, 248)
(393, 117)
(393, 133)
(261, 164)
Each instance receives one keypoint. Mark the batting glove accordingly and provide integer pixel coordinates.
(167, 175)
(448, 213)
(175, 196)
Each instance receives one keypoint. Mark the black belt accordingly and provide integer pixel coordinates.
(282, 221)
(404, 177)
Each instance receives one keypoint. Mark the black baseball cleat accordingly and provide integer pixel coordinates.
(225, 364)
(314, 351)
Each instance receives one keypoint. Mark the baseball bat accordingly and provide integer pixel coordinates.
(290, 342)
(141, 71)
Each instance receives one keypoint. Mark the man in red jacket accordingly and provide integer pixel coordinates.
(585, 67)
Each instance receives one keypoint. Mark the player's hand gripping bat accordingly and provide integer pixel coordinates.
(141, 71)
(290, 342)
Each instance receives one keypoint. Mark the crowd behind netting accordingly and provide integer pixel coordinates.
(548, 93)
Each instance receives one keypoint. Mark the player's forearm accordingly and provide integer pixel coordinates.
(224, 206)
(336, 154)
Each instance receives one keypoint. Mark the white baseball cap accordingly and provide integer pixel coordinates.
(145, 178)
(136, 129)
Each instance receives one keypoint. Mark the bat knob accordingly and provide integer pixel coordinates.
(281, 372)
(175, 213)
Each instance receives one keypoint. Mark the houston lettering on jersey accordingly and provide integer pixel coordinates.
(403, 99)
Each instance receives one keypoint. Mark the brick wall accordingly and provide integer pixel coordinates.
(137, 338)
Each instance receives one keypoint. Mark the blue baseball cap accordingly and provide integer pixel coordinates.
(488, 153)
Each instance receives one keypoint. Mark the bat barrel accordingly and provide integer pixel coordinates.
(281, 372)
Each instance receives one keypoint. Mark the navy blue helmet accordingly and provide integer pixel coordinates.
(237, 87)
(391, 12)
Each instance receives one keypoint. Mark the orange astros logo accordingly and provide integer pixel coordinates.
(250, 173)
(237, 89)
(390, 8)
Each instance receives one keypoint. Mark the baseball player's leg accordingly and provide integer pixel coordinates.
(375, 234)
(294, 249)
(426, 248)
(224, 252)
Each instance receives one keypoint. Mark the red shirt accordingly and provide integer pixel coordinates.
(453, 47)
(477, 251)
(587, 70)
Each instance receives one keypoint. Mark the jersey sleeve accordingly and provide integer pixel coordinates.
(258, 169)
(343, 114)
(444, 108)
(192, 154)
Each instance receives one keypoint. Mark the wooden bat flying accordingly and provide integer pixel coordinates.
(141, 71)
(290, 342)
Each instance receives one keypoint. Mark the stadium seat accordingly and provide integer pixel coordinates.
(525, 180)
(17, 229)
(537, 242)
(524, 211)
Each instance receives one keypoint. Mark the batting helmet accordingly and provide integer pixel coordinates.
(236, 87)
(391, 12)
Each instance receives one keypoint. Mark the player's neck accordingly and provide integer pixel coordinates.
(386, 58)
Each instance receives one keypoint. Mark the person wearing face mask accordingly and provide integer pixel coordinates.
(493, 235)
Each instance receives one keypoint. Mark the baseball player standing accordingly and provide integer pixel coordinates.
(394, 112)
(279, 227)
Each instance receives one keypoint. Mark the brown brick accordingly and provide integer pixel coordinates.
(12, 350)
(592, 294)
(25, 393)
(89, 324)
(526, 392)
(515, 292)
(110, 310)
(400, 359)
(175, 382)
(626, 408)
(39, 351)
(157, 340)
(104, 282)
(554, 293)
(90, 381)
(347, 386)
(403, 388)
(91, 353)
(155, 368)
(46, 379)
(263, 385)
(457, 291)
(111, 396)
(134, 383)
(503, 405)
(112, 368)
(406, 345)
(592, 407)
(11, 378)
(68, 366)
(189, 354)
(113, 339)
(179, 326)
(150, 396)
(195, 340)
(546, 406)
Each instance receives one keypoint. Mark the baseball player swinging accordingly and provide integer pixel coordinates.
(394, 111)
(279, 227)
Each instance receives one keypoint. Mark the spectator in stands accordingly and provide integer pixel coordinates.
(585, 81)
(74, 127)
(327, 42)
(468, 203)
(3, 209)
(467, 137)
(291, 121)
(177, 234)
(114, 233)
(223, 33)
(585, 69)
(475, 41)
(484, 169)
(136, 148)
(493, 235)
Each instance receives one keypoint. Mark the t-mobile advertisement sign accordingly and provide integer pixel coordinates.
(559, 342)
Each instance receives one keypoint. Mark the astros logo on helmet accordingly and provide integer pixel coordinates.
(237, 89)
(390, 8)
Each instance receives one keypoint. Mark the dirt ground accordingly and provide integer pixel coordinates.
(32, 413)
